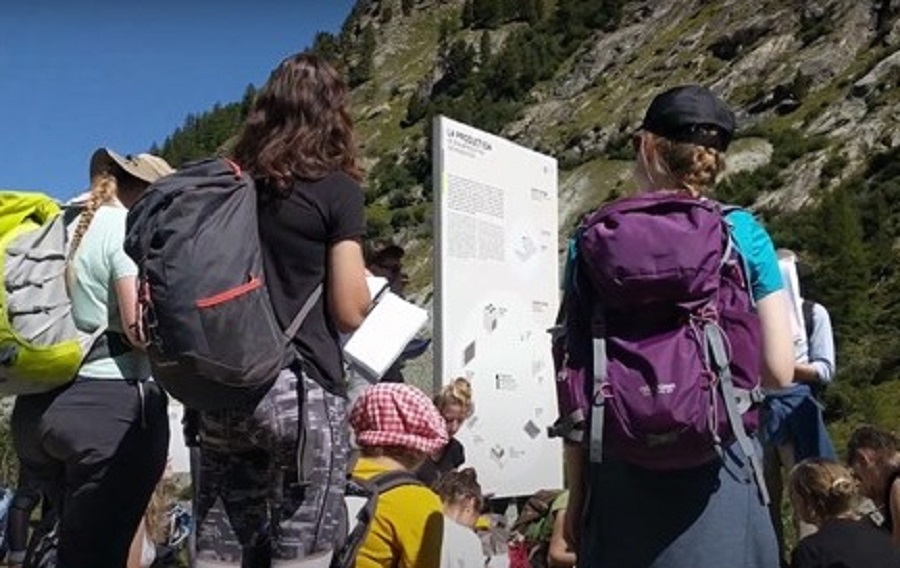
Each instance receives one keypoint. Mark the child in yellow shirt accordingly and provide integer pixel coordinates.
(397, 427)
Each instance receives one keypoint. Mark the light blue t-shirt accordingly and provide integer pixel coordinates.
(99, 261)
(756, 247)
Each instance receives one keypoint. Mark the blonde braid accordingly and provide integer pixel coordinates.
(696, 168)
(103, 190)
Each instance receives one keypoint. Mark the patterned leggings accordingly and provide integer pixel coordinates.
(254, 501)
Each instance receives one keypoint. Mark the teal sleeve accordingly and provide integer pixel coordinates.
(756, 247)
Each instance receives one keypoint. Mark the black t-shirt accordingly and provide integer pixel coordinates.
(453, 456)
(296, 232)
(845, 543)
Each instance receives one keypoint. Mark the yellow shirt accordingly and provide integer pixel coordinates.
(407, 529)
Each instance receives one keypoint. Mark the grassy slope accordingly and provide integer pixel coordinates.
(412, 43)
(589, 183)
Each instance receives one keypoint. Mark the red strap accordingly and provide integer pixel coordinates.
(234, 166)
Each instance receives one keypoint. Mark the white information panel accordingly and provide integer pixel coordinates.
(496, 294)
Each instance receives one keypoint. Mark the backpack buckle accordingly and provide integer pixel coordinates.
(601, 393)
(8, 354)
(147, 331)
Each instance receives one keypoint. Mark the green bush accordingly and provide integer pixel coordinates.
(401, 219)
(832, 168)
(619, 147)
(387, 177)
(378, 220)
(401, 197)
(814, 27)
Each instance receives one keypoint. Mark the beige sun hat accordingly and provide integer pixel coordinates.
(145, 167)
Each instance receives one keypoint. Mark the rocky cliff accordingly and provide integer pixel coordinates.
(815, 83)
(816, 86)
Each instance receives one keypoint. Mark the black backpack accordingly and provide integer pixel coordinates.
(361, 499)
(213, 339)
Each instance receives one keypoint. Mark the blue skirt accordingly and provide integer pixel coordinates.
(706, 517)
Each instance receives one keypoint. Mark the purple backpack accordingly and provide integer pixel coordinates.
(658, 358)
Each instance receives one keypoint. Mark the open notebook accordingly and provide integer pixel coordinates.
(390, 325)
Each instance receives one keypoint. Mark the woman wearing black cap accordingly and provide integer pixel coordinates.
(711, 515)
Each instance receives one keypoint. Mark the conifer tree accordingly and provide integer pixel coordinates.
(326, 46)
(457, 65)
(247, 101)
(362, 71)
(530, 11)
(387, 14)
(844, 278)
(486, 13)
(484, 48)
(468, 14)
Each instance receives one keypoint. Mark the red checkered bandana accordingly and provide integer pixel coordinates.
(399, 415)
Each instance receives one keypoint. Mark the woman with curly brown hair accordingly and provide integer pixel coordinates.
(298, 145)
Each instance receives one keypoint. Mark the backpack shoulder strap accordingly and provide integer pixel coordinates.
(368, 490)
(71, 211)
(727, 208)
(567, 426)
(307, 307)
(384, 482)
(715, 345)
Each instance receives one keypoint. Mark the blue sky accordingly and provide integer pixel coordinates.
(76, 75)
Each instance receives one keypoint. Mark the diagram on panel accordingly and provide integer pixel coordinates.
(525, 248)
(491, 317)
(469, 353)
(532, 429)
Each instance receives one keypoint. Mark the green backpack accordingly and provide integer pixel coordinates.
(40, 347)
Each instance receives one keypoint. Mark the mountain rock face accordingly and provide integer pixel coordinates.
(826, 67)
(815, 85)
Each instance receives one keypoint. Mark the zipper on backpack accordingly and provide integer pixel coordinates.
(228, 295)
